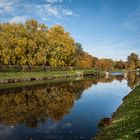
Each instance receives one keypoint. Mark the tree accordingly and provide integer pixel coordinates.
(133, 61)
(23, 44)
(85, 61)
(33, 43)
(104, 64)
(119, 65)
(62, 48)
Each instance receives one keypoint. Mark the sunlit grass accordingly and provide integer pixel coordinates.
(23, 75)
(126, 121)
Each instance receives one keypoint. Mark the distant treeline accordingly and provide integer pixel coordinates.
(34, 44)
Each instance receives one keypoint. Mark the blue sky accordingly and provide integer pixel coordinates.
(105, 28)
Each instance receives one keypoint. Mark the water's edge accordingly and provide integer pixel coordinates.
(125, 122)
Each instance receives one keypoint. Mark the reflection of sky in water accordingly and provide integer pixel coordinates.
(97, 102)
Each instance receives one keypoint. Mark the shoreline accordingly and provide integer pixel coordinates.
(15, 77)
(125, 120)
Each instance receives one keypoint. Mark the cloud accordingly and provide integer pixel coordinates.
(54, 1)
(16, 11)
(18, 19)
(67, 12)
(48, 9)
(7, 5)
(54, 10)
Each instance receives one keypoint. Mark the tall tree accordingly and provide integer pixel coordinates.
(133, 61)
(62, 48)
(33, 43)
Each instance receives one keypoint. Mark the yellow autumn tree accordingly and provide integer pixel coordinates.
(33, 43)
(61, 47)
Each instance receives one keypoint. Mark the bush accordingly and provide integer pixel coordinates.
(16, 68)
(19, 68)
(10, 68)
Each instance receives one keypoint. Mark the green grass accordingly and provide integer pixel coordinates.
(20, 75)
(41, 82)
(126, 120)
(55, 74)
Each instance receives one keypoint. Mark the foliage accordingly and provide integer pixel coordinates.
(133, 61)
(86, 60)
(62, 48)
(119, 65)
(34, 44)
(105, 64)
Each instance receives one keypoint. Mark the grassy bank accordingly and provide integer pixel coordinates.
(125, 123)
(49, 81)
(10, 77)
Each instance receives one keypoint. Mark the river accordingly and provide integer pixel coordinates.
(66, 110)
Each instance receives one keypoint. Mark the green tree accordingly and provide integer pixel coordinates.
(133, 61)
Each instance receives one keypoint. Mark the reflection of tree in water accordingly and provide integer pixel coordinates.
(110, 79)
(33, 104)
(132, 79)
(119, 78)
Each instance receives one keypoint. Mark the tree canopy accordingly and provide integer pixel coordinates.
(35, 44)
(133, 61)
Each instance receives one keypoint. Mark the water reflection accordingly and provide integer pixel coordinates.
(33, 105)
(132, 79)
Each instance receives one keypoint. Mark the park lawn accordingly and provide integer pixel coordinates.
(125, 121)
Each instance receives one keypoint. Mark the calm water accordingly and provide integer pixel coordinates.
(60, 111)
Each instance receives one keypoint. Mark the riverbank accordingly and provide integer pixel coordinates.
(13, 77)
(125, 123)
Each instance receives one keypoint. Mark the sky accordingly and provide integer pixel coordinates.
(105, 28)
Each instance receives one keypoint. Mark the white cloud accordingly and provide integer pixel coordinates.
(49, 10)
(67, 12)
(18, 19)
(18, 11)
(54, 10)
(54, 1)
(7, 5)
